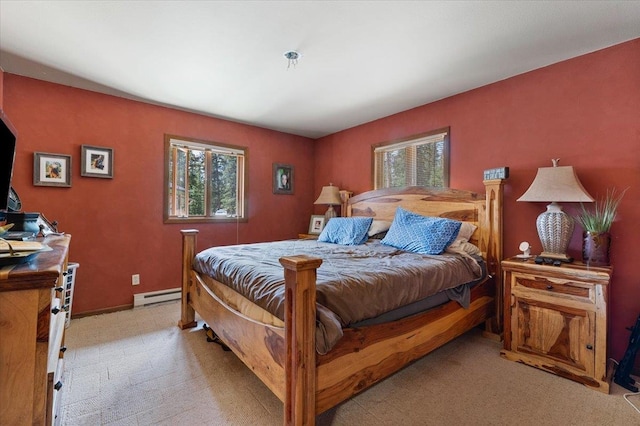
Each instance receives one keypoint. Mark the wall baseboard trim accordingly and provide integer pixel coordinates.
(101, 311)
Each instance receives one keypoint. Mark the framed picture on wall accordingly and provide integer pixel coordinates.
(96, 162)
(282, 178)
(316, 224)
(51, 169)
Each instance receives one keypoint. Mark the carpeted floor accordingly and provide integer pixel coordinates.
(137, 368)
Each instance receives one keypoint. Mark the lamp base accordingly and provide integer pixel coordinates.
(329, 214)
(555, 229)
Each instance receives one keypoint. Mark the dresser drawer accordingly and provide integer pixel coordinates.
(56, 388)
(56, 335)
(55, 363)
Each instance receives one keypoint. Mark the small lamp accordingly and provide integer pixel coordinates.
(555, 227)
(329, 195)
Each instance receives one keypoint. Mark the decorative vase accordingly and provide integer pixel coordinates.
(595, 248)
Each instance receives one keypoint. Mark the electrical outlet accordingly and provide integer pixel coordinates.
(135, 279)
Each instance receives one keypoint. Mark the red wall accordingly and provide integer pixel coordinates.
(585, 111)
(116, 224)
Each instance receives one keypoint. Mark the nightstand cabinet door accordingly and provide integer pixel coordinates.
(554, 331)
(556, 319)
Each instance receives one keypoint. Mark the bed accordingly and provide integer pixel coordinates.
(285, 357)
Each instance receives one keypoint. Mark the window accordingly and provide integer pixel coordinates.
(204, 181)
(421, 160)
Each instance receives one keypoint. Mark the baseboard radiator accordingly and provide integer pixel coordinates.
(153, 297)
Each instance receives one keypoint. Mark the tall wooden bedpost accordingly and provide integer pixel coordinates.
(300, 329)
(187, 315)
(344, 197)
(494, 189)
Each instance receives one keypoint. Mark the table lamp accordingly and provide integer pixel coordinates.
(555, 227)
(329, 195)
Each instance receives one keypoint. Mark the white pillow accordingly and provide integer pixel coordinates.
(466, 230)
(462, 240)
(378, 226)
(460, 245)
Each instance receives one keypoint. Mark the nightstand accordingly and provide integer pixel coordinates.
(555, 319)
(308, 236)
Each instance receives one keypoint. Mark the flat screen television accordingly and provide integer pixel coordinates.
(7, 155)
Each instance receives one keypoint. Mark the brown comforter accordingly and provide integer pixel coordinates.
(354, 283)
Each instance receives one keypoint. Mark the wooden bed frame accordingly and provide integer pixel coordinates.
(285, 358)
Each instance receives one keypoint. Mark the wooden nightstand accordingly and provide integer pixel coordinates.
(308, 236)
(556, 319)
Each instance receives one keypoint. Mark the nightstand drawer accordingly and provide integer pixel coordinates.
(551, 287)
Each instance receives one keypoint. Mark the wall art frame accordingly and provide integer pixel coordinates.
(283, 178)
(51, 169)
(96, 161)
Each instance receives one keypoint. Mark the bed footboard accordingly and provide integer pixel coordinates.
(299, 393)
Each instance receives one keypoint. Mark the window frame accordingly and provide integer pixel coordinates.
(413, 140)
(241, 183)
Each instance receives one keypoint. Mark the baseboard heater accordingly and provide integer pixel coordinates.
(153, 297)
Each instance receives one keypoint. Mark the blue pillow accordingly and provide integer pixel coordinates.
(421, 234)
(348, 231)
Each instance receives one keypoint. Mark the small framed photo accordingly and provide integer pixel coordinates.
(96, 162)
(51, 169)
(316, 224)
(282, 178)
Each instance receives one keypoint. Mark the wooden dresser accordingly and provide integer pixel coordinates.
(556, 319)
(32, 325)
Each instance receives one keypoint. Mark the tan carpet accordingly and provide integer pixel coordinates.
(137, 368)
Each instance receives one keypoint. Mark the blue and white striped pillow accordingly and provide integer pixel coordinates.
(421, 234)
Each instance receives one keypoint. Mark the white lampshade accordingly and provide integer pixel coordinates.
(555, 227)
(329, 195)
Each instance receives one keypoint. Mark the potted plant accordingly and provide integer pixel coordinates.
(597, 223)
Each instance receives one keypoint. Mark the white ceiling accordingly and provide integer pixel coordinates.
(362, 60)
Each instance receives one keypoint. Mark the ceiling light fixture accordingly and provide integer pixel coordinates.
(292, 58)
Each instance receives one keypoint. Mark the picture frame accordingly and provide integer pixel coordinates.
(316, 224)
(51, 169)
(283, 178)
(96, 161)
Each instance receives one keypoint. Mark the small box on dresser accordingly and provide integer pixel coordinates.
(32, 335)
(556, 319)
